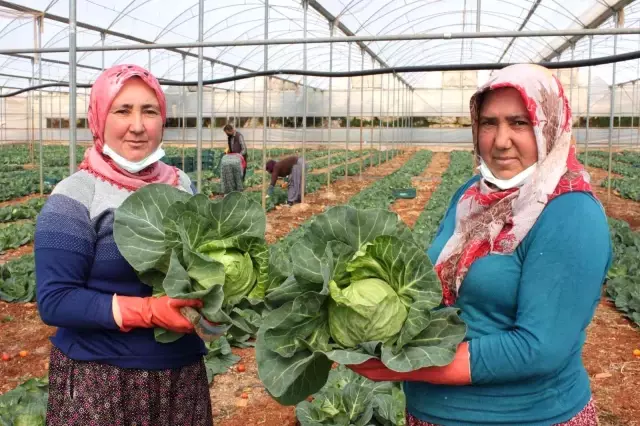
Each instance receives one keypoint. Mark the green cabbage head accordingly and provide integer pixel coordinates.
(240, 275)
(365, 311)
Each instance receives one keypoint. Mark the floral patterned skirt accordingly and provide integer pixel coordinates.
(586, 417)
(93, 394)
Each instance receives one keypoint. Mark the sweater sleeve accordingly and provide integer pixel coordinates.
(566, 261)
(64, 254)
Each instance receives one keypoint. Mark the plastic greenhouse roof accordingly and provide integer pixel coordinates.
(170, 21)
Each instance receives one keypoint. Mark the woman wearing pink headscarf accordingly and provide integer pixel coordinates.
(106, 367)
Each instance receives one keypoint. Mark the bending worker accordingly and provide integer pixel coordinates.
(290, 167)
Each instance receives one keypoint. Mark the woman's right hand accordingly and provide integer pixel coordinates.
(148, 312)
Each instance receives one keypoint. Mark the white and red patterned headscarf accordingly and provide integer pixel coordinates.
(493, 221)
(103, 92)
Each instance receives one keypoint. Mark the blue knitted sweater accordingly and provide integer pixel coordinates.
(79, 268)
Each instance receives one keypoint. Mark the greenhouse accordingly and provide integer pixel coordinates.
(375, 113)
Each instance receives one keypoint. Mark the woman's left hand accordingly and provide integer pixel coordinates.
(375, 370)
(458, 372)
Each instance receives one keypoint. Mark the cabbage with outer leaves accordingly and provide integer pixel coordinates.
(361, 287)
(349, 399)
(25, 405)
(191, 247)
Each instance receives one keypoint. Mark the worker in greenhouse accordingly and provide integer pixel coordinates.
(235, 141)
(291, 169)
(522, 251)
(106, 367)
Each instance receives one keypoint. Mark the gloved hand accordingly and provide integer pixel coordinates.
(270, 191)
(226, 150)
(148, 312)
(458, 372)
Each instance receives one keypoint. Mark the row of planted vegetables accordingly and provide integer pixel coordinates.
(303, 297)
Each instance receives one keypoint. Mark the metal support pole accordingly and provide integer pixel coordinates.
(638, 77)
(346, 158)
(412, 114)
(31, 109)
(212, 127)
(149, 61)
(403, 116)
(394, 131)
(235, 108)
(226, 100)
(571, 71)
(406, 115)
(478, 9)
(295, 115)
(199, 98)
(59, 111)
(373, 97)
(264, 104)
(380, 120)
(3, 129)
(620, 114)
(633, 109)
(329, 124)
(305, 5)
(388, 115)
(321, 117)
(40, 146)
(102, 38)
(613, 96)
(184, 101)
(255, 116)
(72, 86)
(361, 107)
(586, 136)
(51, 114)
(403, 110)
(441, 111)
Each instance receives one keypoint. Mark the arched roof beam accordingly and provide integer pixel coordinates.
(424, 19)
(332, 19)
(524, 23)
(112, 33)
(595, 23)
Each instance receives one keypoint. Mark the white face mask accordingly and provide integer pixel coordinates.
(133, 166)
(514, 182)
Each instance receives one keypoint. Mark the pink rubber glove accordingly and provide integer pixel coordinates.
(458, 372)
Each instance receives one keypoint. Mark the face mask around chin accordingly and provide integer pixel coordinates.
(504, 184)
(133, 166)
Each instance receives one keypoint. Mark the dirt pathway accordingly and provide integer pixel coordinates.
(410, 209)
(613, 370)
(616, 206)
(19, 200)
(16, 253)
(283, 220)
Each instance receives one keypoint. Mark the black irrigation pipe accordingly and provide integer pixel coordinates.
(391, 70)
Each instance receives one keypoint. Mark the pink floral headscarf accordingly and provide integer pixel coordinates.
(104, 90)
(489, 220)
